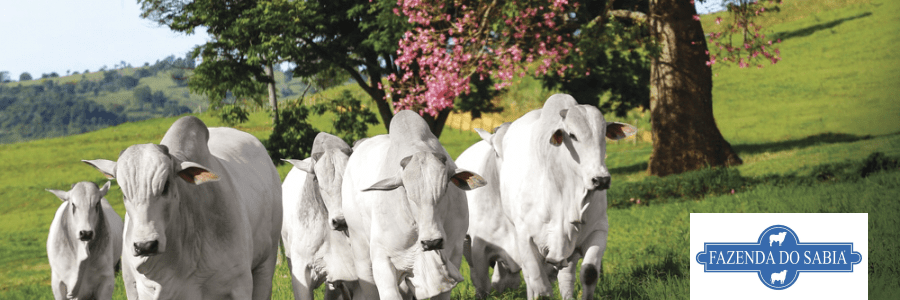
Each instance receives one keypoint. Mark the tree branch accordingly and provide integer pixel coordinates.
(628, 14)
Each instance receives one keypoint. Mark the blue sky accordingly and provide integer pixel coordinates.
(43, 36)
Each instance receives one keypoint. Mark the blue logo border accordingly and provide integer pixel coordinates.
(759, 242)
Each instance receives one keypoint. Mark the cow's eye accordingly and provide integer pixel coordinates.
(573, 137)
(73, 209)
(166, 189)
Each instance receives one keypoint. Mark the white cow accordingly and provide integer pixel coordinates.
(491, 234)
(314, 231)
(84, 244)
(203, 215)
(553, 182)
(406, 223)
(777, 238)
(779, 276)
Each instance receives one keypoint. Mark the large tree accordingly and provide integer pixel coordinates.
(244, 46)
(455, 38)
(356, 37)
(323, 39)
(452, 42)
(685, 135)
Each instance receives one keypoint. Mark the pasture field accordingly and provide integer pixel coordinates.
(803, 127)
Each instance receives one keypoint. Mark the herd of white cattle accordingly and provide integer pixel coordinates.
(389, 218)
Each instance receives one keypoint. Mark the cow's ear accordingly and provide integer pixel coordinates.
(305, 165)
(618, 131)
(195, 173)
(558, 137)
(62, 195)
(386, 184)
(405, 161)
(486, 136)
(467, 180)
(104, 189)
(105, 166)
(317, 155)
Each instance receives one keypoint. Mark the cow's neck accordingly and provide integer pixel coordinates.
(87, 255)
(205, 217)
(310, 207)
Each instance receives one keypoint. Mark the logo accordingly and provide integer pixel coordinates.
(778, 257)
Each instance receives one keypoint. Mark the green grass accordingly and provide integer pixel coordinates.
(831, 100)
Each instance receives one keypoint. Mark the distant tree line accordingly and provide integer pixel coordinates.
(51, 109)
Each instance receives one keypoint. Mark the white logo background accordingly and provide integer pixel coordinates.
(810, 228)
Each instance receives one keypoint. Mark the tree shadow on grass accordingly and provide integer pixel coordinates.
(671, 267)
(748, 149)
(638, 167)
(812, 29)
(822, 138)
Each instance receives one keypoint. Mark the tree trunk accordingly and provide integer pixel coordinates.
(384, 109)
(437, 123)
(273, 100)
(685, 135)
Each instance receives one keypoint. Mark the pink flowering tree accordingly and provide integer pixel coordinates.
(453, 41)
(740, 39)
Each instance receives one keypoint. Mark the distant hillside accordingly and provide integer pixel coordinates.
(78, 103)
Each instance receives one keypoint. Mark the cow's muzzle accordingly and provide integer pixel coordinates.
(434, 244)
(146, 248)
(559, 264)
(86, 235)
(339, 224)
(600, 182)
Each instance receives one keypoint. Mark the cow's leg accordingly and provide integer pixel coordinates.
(504, 278)
(536, 280)
(385, 276)
(478, 267)
(128, 271)
(590, 266)
(263, 274)
(442, 296)
(58, 287)
(566, 278)
(334, 291)
(363, 263)
(241, 287)
(105, 287)
(301, 279)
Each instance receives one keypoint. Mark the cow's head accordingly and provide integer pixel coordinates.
(426, 176)
(148, 176)
(583, 134)
(326, 171)
(84, 207)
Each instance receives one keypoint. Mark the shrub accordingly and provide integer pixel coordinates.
(293, 136)
(128, 82)
(877, 162)
(233, 114)
(351, 120)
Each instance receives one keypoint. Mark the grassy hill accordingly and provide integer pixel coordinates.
(162, 81)
(804, 128)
